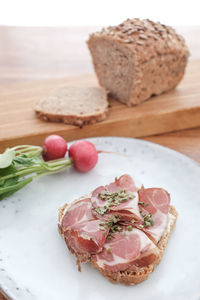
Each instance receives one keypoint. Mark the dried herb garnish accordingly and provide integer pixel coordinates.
(102, 228)
(113, 199)
(129, 228)
(148, 221)
(108, 250)
(143, 204)
(101, 211)
(113, 221)
(116, 198)
(112, 225)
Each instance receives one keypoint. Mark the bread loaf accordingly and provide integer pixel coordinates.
(138, 59)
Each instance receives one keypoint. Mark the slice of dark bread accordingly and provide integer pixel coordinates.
(138, 59)
(74, 105)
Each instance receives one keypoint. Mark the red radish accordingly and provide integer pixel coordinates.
(84, 155)
(54, 147)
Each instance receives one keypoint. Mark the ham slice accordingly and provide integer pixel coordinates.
(82, 230)
(126, 250)
(77, 212)
(156, 202)
(128, 209)
(86, 237)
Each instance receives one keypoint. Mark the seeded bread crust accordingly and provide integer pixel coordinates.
(74, 105)
(138, 59)
(137, 275)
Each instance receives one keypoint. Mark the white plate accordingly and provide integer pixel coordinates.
(34, 260)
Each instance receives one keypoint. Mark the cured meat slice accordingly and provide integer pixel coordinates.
(77, 212)
(126, 250)
(155, 201)
(123, 182)
(120, 196)
(86, 237)
(81, 230)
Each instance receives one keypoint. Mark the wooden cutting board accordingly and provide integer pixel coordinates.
(175, 110)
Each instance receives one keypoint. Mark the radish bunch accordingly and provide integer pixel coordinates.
(18, 162)
(83, 153)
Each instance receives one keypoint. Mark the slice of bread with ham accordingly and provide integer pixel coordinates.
(119, 229)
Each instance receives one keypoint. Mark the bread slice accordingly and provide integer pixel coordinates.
(135, 274)
(138, 59)
(74, 105)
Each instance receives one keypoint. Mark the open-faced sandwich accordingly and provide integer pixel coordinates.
(120, 229)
